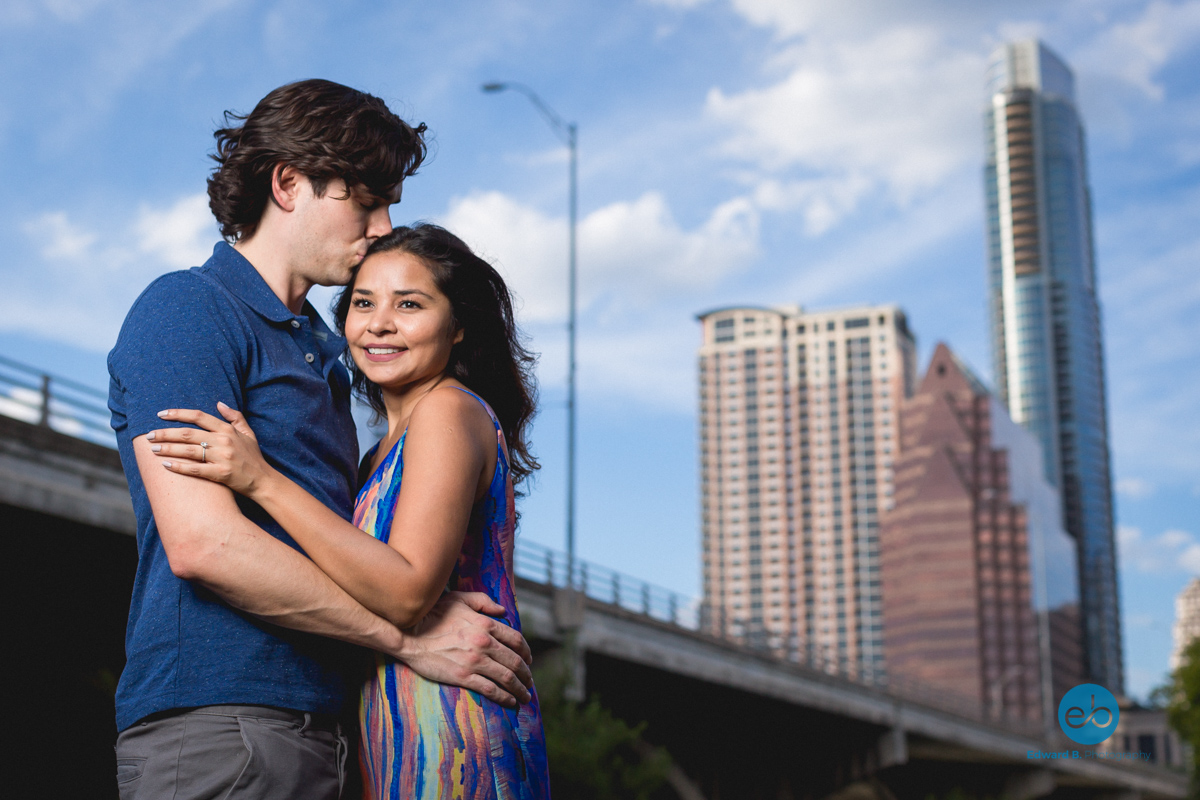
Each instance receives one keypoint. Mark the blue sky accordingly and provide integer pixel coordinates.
(732, 151)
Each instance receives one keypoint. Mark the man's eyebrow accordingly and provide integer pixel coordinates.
(389, 196)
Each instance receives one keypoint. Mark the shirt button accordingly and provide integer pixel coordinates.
(309, 357)
(295, 323)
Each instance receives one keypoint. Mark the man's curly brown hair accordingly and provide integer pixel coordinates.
(325, 131)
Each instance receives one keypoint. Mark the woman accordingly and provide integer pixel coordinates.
(429, 327)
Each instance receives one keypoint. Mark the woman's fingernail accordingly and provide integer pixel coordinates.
(221, 405)
(156, 447)
(167, 464)
(150, 436)
(162, 413)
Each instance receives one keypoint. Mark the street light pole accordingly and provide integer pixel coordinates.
(567, 131)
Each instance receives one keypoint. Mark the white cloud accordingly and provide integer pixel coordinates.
(1135, 488)
(22, 404)
(57, 237)
(112, 45)
(639, 246)
(1170, 551)
(24, 12)
(71, 10)
(180, 236)
(893, 112)
(678, 3)
(1151, 298)
(798, 18)
(1135, 51)
(880, 251)
(640, 274)
(635, 249)
(97, 270)
(529, 248)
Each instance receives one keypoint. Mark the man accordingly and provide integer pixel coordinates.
(234, 682)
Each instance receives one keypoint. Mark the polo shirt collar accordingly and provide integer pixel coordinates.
(244, 282)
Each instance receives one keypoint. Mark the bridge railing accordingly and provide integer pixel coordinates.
(78, 410)
(62, 404)
(544, 565)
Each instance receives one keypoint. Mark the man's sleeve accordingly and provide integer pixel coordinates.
(183, 345)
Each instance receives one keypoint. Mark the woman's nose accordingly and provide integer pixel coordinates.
(381, 323)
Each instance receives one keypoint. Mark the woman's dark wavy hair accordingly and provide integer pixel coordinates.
(324, 130)
(490, 360)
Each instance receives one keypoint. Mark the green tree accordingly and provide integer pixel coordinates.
(957, 793)
(592, 754)
(1183, 704)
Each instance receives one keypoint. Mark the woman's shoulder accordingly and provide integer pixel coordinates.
(450, 405)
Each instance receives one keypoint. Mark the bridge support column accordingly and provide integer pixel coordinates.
(567, 606)
(893, 748)
(1029, 785)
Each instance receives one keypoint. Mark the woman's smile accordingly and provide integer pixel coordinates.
(383, 352)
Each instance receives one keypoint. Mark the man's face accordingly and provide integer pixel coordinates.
(333, 231)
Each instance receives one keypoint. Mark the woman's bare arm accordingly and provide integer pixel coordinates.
(445, 455)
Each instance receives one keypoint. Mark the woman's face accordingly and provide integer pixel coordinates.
(400, 326)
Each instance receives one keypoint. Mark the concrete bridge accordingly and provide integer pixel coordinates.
(739, 723)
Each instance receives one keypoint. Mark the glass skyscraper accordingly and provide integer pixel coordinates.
(1045, 316)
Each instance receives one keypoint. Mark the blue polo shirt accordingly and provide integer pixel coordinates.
(194, 337)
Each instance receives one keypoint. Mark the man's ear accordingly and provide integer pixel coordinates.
(286, 182)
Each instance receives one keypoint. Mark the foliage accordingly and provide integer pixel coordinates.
(957, 793)
(592, 754)
(1160, 696)
(1183, 708)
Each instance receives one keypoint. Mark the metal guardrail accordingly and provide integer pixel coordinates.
(541, 564)
(73, 408)
(69, 407)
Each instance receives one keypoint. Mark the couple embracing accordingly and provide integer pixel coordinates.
(280, 580)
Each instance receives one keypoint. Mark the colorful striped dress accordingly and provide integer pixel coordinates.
(422, 739)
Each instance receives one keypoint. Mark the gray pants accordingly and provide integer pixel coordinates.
(235, 752)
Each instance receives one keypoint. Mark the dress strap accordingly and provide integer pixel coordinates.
(482, 402)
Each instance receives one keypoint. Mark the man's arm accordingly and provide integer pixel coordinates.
(207, 540)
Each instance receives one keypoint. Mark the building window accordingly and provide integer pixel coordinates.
(1146, 744)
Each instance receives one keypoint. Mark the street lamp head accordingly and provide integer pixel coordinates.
(494, 87)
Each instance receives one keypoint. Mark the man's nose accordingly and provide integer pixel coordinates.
(379, 223)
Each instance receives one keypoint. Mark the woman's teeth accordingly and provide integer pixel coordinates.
(382, 351)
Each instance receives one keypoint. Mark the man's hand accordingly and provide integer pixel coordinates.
(456, 644)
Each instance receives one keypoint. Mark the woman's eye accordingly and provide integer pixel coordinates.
(361, 303)
(409, 304)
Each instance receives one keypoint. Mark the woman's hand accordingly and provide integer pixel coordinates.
(224, 452)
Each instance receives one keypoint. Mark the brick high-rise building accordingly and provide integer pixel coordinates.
(980, 594)
(798, 416)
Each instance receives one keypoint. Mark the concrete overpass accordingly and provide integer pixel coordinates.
(739, 723)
